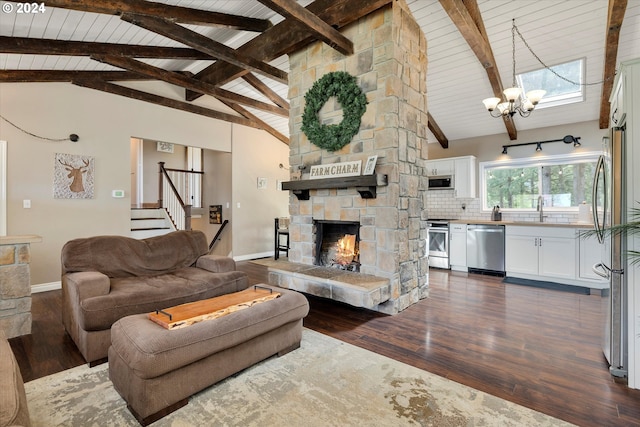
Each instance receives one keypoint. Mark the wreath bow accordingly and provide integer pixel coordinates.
(344, 87)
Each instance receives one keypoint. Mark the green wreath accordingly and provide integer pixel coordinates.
(343, 86)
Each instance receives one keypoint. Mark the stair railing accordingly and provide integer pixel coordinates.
(170, 198)
(217, 236)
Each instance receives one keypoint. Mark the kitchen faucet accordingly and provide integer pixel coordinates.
(540, 209)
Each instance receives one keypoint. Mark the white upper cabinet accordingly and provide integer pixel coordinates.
(465, 177)
(617, 110)
(440, 167)
(464, 172)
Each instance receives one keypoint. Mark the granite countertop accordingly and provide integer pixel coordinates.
(524, 223)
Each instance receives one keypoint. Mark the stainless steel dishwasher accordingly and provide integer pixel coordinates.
(485, 248)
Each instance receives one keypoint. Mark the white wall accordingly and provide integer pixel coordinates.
(443, 204)
(252, 207)
(218, 191)
(105, 124)
(487, 148)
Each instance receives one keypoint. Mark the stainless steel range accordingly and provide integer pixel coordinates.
(439, 243)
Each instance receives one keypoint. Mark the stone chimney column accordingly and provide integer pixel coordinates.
(390, 64)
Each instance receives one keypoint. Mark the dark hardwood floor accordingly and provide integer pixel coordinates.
(535, 347)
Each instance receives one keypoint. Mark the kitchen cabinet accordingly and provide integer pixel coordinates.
(548, 252)
(463, 169)
(616, 109)
(521, 254)
(458, 247)
(440, 167)
(590, 253)
(465, 177)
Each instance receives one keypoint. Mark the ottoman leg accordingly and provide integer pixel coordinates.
(160, 414)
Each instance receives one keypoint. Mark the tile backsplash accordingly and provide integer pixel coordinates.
(443, 204)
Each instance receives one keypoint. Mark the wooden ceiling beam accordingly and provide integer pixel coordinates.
(615, 17)
(266, 90)
(187, 82)
(466, 17)
(264, 126)
(436, 131)
(290, 9)
(30, 46)
(459, 13)
(161, 100)
(184, 15)
(205, 44)
(289, 36)
(48, 76)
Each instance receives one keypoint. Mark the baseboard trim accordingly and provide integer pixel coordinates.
(45, 287)
(253, 256)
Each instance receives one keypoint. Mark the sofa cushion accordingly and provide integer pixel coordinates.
(216, 263)
(151, 350)
(120, 256)
(13, 401)
(133, 295)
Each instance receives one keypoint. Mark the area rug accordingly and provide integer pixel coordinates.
(325, 382)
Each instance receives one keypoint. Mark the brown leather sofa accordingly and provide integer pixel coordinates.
(13, 401)
(106, 278)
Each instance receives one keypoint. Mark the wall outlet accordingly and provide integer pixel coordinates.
(26, 204)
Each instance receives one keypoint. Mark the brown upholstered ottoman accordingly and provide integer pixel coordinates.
(156, 370)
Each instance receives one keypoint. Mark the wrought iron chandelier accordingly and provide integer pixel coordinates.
(513, 103)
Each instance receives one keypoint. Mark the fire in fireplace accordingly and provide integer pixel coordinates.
(337, 244)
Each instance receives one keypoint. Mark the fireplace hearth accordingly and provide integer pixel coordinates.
(336, 244)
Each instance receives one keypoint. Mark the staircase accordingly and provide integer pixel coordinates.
(149, 222)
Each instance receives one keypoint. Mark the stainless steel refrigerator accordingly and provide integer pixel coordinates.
(609, 209)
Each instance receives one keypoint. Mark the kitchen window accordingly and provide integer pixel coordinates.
(563, 182)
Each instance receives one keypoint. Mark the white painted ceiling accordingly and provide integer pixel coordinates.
(557, 31)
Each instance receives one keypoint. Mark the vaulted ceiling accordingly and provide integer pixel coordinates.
(235, 52)
(461, 73)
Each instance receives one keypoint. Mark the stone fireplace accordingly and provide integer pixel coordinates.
(390, 66)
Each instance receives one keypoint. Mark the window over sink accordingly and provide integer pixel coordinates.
(515, 185)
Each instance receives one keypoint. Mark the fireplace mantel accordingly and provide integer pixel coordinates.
(366, 185)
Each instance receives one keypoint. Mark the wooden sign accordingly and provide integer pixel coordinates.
(187, 314)
(336, 170)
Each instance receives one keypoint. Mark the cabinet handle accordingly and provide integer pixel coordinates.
(540, 241)
(535, 242)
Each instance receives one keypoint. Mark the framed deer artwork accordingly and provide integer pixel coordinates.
(73, 176)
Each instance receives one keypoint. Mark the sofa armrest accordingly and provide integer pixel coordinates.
(88, 284)
(13, 400)
(216, 263)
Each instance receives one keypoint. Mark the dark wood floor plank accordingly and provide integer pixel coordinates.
(535, 347)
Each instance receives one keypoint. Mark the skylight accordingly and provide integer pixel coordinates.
(559, 91)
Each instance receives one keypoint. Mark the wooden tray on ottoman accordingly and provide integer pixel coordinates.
(184, 315)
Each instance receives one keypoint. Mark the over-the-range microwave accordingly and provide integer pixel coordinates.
(441, 182)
